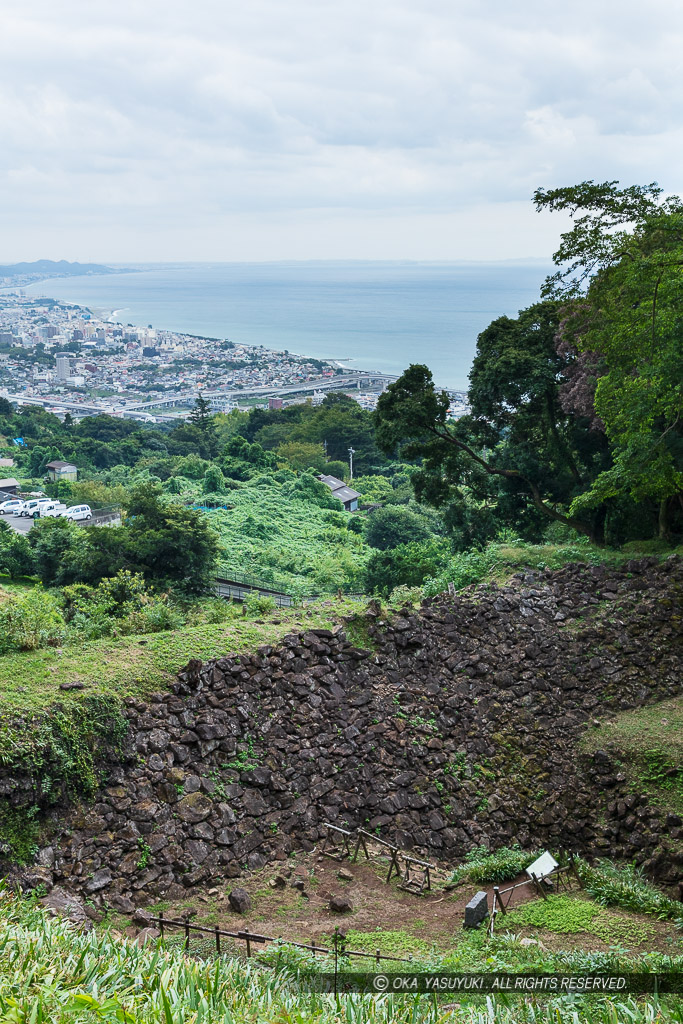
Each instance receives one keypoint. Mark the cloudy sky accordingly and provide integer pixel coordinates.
(262, 129)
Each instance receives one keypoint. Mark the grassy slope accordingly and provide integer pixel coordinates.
(140, 665)
(649, 745)
(287, 540)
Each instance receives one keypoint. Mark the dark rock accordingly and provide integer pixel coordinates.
(340, 905)
(194, 808)
(100, 880)
(240, 901)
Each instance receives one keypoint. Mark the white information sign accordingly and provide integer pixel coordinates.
(542, 866)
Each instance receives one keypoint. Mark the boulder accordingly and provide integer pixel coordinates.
(340, 905)
(194, 807)
(240, 901)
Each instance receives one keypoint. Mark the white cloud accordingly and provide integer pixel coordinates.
(206, 130)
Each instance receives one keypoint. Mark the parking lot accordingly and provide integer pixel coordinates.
(19, 523)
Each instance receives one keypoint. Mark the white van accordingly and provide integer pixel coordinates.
(31, 506)
(78, 512)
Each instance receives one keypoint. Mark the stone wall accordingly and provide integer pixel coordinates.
(452, 726)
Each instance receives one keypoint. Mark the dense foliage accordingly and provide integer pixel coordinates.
(576, 405)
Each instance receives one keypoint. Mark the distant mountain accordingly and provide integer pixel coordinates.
(52, 268)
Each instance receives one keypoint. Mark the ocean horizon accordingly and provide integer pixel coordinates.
(365, 314)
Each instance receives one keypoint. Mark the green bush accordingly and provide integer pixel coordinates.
(627, 887)
(258, 604)
(482, 865)
(407, 565)
(31, 620)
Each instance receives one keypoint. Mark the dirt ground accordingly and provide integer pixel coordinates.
(296, 907)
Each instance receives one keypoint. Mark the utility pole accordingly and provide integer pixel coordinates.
(352, 452)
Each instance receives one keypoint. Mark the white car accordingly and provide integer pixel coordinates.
(9, 506)
(54, 509)
(78, 512)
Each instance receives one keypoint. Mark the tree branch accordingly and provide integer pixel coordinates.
(514, 474)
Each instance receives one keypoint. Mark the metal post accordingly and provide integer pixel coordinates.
(187, 936)
(497, 900)
(161, 923)
(218, 939)
(246, 935)
(352, 452)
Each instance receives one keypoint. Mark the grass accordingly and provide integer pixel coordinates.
(648, 745)
(51, 972)
(571, 915)
(498, 561)
(141, 665)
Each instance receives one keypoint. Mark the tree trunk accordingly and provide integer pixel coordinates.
(663, 520)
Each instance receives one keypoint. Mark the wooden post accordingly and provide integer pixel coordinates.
(377, 957)
(218, 940)
(246, 935)
(161, 923)
(336, 958)
(574, 870)
(187, 935)
(539, 886)
(313, 947)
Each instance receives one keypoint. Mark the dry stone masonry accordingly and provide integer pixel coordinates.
(448, 727)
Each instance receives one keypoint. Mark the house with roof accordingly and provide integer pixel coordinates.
(8, 487)
(58, 470)
(340, 491)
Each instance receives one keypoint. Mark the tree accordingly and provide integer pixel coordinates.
(621, 280)
(55, 544)
(302, 455)
(16, 555)
(406, 565)
(201, 418)
(389, 527)
(214, 481)
(165, 540)
(517, 450)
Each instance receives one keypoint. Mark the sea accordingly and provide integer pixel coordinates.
(367, 315)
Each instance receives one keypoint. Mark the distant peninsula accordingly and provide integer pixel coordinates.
(39, 270)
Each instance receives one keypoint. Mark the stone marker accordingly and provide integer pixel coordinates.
(477, 909)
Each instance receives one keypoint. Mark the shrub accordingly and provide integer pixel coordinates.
(461, 570)
(388, 527)
(406, 565)
(30, 621)
(481, 865)
(627, 887)
(258, 604)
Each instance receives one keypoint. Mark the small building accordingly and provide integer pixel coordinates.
(340, 491)
(61, 471)
(9, 486)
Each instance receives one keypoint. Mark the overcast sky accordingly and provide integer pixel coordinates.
(137, 130)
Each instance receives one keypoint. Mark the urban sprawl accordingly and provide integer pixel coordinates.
(68, 359)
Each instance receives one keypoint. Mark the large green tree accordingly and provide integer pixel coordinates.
(518, 452)
(621, 282)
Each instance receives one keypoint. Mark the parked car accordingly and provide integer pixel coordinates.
(55, 509)
(79, 512)
(9, 506)
(27, 508)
